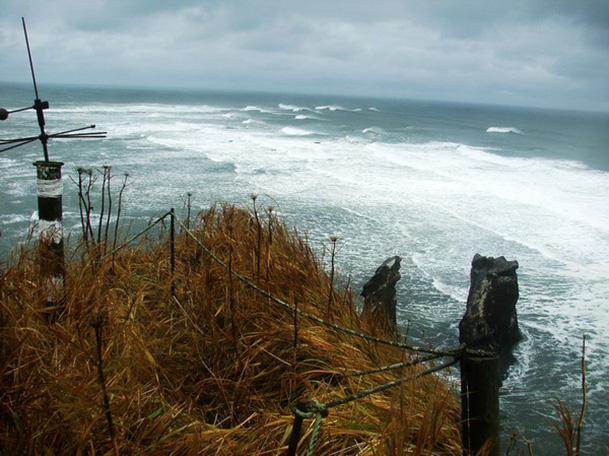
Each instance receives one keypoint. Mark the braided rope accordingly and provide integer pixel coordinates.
(438, 353)
(314, 434)
(411, 363)
(134, 237)
(314, 318)
(385, 386)
(319, 410)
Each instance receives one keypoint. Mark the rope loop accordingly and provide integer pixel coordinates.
(309, 409)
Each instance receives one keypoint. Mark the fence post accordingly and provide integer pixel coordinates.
(295, 435)
(480, 402)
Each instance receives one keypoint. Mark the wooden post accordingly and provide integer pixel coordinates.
(295, 435)
(480, 403)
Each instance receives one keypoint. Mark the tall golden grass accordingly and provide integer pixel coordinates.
(120, 365)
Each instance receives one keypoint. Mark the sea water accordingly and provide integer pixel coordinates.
(434, 183)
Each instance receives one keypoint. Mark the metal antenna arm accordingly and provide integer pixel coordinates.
(22, 143)
(39, 105)
(29, 53)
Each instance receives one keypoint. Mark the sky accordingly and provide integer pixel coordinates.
(541, 53)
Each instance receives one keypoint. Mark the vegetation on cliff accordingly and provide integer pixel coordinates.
(130, 360)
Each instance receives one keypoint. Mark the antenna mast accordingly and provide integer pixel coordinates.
(39, 107)
(49, 185)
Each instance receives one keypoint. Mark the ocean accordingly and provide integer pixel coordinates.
(434, 183)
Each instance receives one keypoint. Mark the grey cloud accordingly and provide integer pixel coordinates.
(464, 50)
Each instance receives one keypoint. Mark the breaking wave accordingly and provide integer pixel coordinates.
(504, 130)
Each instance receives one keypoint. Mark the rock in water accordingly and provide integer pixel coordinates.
(379, 292)
(490, 321)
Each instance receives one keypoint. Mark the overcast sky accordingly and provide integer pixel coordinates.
(546, 53)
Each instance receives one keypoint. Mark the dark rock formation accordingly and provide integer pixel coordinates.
(490, 321)
(379, 292)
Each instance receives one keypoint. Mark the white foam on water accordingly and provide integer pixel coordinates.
(7, 163)
(255, 108)
(293, 108)
(330, 108)
(504, 130)
(9, 219)
(375, 131)
(293, 131)
(18, 188)
(150, 109)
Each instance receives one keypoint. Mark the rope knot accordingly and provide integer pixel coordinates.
(309, 409)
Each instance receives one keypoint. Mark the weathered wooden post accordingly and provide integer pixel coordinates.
(50, 219)
(480, 402)
(488, 329)
(295, 435)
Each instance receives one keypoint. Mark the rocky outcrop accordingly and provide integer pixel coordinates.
(490, 321)
(379, 292)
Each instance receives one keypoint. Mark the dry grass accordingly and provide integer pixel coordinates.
(212, 370)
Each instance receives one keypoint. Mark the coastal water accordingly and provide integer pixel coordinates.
(434, 183)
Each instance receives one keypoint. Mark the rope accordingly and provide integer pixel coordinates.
(378, 389)
(314, 434)
(455, 353)
(439, 353)
(396, 366)
(319, 410)
(309, 409)
(133, 238)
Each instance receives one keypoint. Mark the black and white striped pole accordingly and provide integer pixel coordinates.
(49, 185)
(49, 189)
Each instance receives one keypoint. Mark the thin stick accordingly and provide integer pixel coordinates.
(188, 206)
(97, 326)
(259, 239)
(109, 171)
(118, 213)
(173, 249)
(584, 399)
(103, 204)
(270, 242)
(333, 239)
(88, 206)
(80, 204)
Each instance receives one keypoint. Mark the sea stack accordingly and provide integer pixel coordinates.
(379, 292)
(490, 321)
